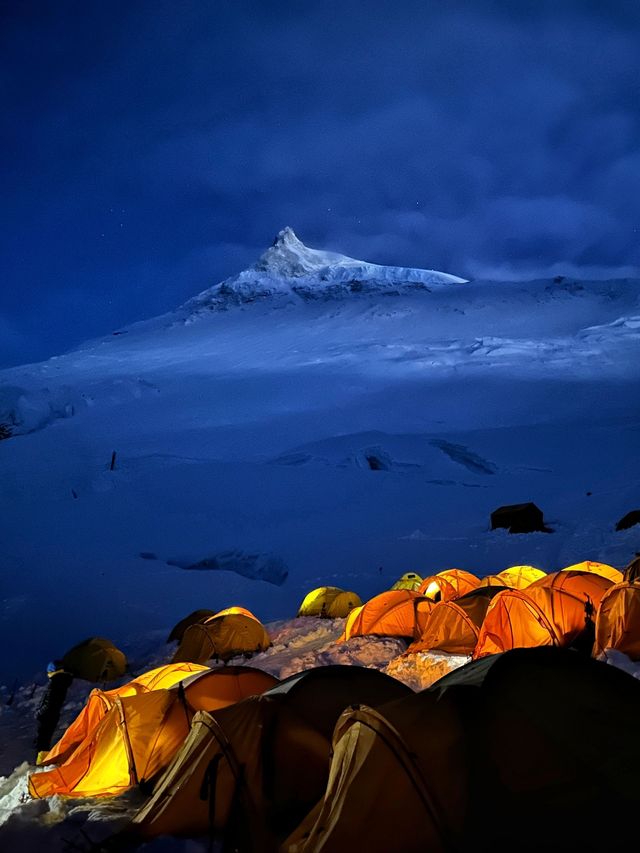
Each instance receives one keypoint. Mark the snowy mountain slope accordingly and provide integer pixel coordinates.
(289, 269)
(244, 439)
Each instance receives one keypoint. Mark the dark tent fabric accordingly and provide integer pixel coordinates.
(530, 750)
(195, 618)
(519, 518)
(632, 571)
(629, 520)
(262, 764)
(95, 659)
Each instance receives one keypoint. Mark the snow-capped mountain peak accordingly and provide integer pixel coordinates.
(288, 256)
(290, 270)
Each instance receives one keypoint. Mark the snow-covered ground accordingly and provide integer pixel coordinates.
(314, 420)
(245, 431)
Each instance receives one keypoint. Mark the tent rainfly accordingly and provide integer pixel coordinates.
(140, 734)
(394, 613)
(449, 584)
(100, 701)
(226, 635)
(453, 626)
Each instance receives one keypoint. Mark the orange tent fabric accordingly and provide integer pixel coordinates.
(494, 580)
(618, 620)
(453, 626)
(447, 585)
(140, 734)
(580, 584)
(539, 616)
(603, 569)
(395, 613)
(223, 636)
(100, 701)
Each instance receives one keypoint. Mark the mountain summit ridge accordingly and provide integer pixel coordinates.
(289, 270)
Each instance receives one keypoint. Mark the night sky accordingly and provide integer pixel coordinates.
(152, 148)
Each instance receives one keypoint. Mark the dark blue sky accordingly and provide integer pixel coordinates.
(152, 148)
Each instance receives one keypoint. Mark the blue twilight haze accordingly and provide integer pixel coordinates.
(153, 148)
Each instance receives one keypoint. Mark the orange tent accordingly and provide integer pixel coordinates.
(100, 701)
(453, 626)
(447, 585)
(395, 613)
(614, 575)
(539, 616)
(520, 577)
(140, 734)
(494, 580)
(618, 620)
(580, 584)
(231, 632)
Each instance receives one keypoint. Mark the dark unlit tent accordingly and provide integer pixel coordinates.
(530, 750)
(519, 518)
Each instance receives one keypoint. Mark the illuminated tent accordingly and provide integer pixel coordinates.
(329, 601)
(614, 575)
(140, 734)
(580, 584)
(395, 613)
(453, 626)
(409, 580)
(258, 767)
(95, 659)
(177, 632)
(447, 585)
(618, 620)
(100, 701)
(494, 580)
(548, 734)
(537, 616)
(222, 637)
(520, 577)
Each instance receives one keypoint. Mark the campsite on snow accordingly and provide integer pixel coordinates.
(392, 517)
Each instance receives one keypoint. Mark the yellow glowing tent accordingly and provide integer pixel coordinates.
(100, 701)
(226, 635)
(139, 735)
(330, 602)
(614, 575)
(409, 580)
(520, 577)
(449, 584)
